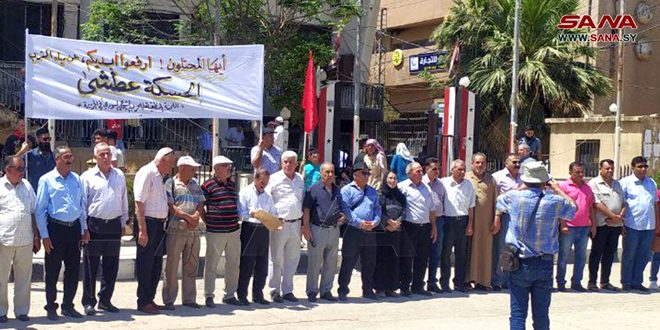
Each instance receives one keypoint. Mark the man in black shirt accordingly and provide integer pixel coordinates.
(324, 211)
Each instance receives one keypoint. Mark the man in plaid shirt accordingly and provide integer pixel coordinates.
(534, 215)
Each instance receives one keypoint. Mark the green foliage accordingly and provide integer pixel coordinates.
(555, 78)
(118, 21)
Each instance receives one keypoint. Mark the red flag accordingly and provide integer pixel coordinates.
(309, 97)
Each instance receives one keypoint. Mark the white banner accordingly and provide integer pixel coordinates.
(76, 79)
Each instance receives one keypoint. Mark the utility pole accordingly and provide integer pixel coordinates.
(215, 146)
(619, 97)
(514, 80)
(357, 75)
(53, 33)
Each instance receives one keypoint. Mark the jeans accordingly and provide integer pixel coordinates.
(577, 237)
(533, 278)
(454, 238)
(436, 252)
(636, 254)
(655, 267)
(603, 249)
(500, 277)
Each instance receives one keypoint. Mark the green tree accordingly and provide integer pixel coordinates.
(555, 78)
(119, 21)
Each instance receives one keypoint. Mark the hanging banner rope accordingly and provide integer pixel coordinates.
(76, 79)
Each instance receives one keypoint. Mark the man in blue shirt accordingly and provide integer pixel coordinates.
(534, 217)
(266, 154)
(641, 220)
(359, 240)
(62, 227)
(40, 160)
(532, 141)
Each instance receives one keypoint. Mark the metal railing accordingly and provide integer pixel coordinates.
(11, 85)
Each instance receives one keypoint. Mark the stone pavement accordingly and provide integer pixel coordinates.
(448, 311)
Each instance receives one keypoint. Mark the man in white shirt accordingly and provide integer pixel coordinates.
(151, 210)
(254, 238)
(279, 137)
(420, 228)
(18, 237)
(118, 160)
(287, 189)
(235, 136)
(459, 216)
(106, 206)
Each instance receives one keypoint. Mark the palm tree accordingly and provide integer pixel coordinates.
(555, 78)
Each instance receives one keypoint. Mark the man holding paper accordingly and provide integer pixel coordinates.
(323, 212)
(255, 241)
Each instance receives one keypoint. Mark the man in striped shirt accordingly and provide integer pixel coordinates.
(222, 231)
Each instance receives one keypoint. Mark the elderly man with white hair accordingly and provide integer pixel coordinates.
(151, 210)
(459, 216)
(523, 154)
(287, 188)
(222, 231)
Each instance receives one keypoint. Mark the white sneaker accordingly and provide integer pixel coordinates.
(654, 285)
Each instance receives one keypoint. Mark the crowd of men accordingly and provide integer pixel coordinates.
(503, 230)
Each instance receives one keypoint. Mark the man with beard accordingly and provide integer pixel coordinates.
(40, 160)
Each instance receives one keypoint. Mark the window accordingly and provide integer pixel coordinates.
(15, 17)
(588, 153)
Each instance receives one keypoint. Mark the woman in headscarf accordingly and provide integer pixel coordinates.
(387, 263)
(376, 161)
(399, 162)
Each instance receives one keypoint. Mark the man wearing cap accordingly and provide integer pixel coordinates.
(323, 212)
(359, 240)
(532, 141)
(151, 209)
(278, 130)
(186, 201)
(222, 231)
(507, 179)
(265, 154)
(106, 205)
(40, 160)
(59, 214)
(254, 238)
(287, 189)
(533, 239)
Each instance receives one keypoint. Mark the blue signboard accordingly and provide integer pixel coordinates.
(428, 61)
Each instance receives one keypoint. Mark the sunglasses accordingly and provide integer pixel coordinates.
(642, 166)
(19, 169)
(367, 173)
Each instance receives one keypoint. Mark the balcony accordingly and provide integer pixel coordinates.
(409, 13)
(371, 101)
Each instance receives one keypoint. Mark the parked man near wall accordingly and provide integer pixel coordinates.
(611, 207)
(641, 221)
(324, 211)
(575, 232)
(359, 241)
(60, 217)
(287, 188)
(254, 238)
(186, 202)
(19, 237)
(532, 239)
(151, 211)
(266, 154)
(420, 231)
(459, 221)
(222, 231)
(431, 178)
(481, 253)
(507, 179)
(40, 160)
(106, 206)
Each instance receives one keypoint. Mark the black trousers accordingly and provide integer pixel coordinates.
(362, 245)
(66, 249)
(105, 242)
(455, 240)
(254, 259)
(415, 250)
(149, 261)
(603, 248)
(387, 261)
